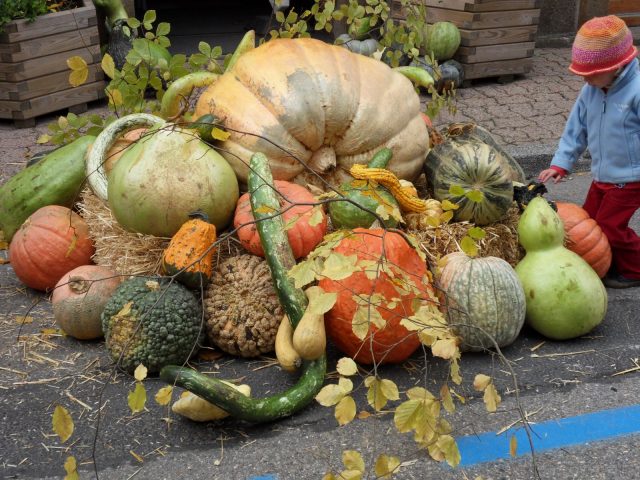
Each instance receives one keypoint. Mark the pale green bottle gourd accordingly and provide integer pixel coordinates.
(564, 295)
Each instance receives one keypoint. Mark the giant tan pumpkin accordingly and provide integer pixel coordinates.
(305, 100)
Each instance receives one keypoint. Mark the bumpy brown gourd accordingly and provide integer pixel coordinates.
(190, 252)
(242, 311)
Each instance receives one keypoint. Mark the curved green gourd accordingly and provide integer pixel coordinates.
(264, 202)
(54, 180)
(364, 197)
(565, 297)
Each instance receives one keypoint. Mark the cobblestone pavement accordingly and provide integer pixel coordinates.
(532, 109)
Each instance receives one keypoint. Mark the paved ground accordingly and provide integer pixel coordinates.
(557, 380)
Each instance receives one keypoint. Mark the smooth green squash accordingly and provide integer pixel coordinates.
(484, 300)
(364, 197)
(55, 179)
(565, 297)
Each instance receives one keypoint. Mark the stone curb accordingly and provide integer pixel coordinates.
(534, 157)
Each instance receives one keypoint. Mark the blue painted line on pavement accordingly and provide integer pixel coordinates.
(552, 434)
(264, 477)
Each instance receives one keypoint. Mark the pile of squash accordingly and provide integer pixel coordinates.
(299, 114)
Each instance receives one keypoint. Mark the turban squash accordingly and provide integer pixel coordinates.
(303, 100)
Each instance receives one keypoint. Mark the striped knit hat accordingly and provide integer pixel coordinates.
(602, 44)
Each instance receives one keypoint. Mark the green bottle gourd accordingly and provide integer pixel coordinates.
(564, 295)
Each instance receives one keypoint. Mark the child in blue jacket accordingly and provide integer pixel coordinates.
(606, 119)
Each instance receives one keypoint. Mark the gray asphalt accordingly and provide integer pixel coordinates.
(556, 380)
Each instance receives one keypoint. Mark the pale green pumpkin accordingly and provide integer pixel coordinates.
(484, 300)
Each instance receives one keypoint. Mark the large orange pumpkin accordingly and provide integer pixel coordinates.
(393, 296)
(298, 210)
(52, 241)
(584, 237)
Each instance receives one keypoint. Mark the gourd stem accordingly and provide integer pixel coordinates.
(265, 205)
(181, 88)
(247, 43)
(97, 156)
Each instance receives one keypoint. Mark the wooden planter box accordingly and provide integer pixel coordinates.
(34, 76)
(498, 36)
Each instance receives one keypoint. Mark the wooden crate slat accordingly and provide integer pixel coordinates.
(497, 36)
(52, 102)
(631, 19)
(475, 20)
(488, 53)
(39, 47)
(44, 85)
(16, 72)
(7, 108)
(623, 6)
(50, 24)
(484, 6)
(499, 68)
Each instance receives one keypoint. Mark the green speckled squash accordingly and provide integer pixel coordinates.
(474, 132)
(443, 39)
(474, 166)
(485, 300)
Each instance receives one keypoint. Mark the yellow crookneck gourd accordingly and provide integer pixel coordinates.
(309, 337)
(198, 409)
(287, 356)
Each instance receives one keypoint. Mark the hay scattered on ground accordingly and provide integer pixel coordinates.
(127, 253)
(501, 239)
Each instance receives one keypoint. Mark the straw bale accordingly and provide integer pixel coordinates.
(501, 239)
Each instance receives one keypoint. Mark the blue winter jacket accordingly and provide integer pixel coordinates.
(608, 123)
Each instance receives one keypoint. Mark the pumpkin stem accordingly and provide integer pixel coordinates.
(79, 285)
(200, 215)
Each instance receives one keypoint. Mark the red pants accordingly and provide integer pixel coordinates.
(612, 207)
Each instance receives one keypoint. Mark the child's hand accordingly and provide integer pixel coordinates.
(548, 174)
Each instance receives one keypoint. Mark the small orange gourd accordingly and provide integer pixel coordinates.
(190, 252)
(585, 237)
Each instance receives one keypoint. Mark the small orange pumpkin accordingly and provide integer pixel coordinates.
(303, 237)
(79, 298)
(585, 237)
(190, 251)
(396, 296)
(52, 241)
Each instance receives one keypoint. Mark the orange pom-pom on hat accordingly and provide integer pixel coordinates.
(602, 44)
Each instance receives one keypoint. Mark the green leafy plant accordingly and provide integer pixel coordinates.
(30, 9)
